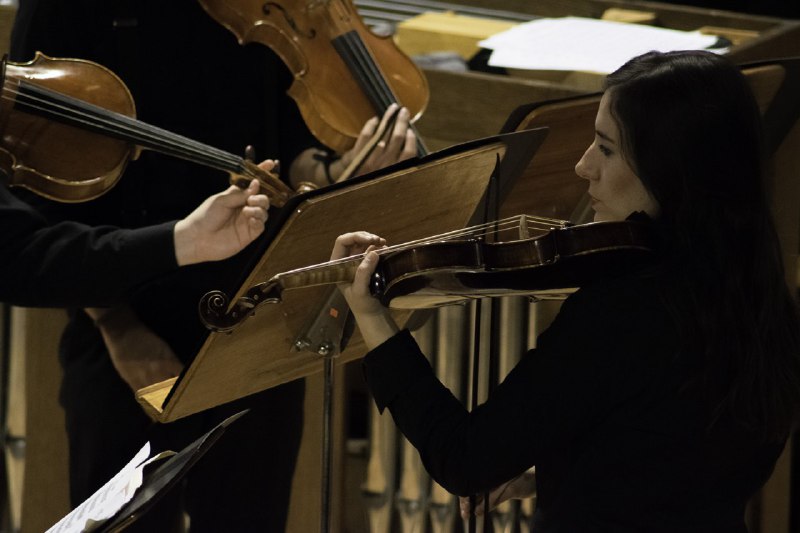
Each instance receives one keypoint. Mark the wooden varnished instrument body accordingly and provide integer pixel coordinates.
(305, 34)
(68, 128)
(57, 160)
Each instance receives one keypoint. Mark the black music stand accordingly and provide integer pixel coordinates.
(157, 481)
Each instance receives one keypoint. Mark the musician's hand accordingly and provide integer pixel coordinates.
(401, 143)
(374, 321)
(522, 486)
(270, 165)
(140, 357)
(222, 225)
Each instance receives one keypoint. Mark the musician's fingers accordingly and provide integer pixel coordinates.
(376, 247)
(353, 243)
(258, 200)
(364, 272)
(256, 213)
(268, 165)
(367, 130)
(387, 115)
(409, 146)
(397, 137)
(382, 145)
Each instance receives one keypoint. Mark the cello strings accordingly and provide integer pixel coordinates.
(89, 116)
(365, 70)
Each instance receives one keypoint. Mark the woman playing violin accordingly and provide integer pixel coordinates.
(656, 401)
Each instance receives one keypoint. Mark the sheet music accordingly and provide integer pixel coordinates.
(582, 44)
(110, 498)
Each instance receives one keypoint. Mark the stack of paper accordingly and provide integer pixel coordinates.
(581, 44)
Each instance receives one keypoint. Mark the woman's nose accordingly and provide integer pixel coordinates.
(583, 167)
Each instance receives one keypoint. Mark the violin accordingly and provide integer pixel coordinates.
(544, 258)
(343, 73)
(68, 129)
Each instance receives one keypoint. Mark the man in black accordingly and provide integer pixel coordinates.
(189, 75)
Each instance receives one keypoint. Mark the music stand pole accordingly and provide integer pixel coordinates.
(327, 442)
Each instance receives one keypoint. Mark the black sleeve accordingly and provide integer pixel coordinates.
(71, 264)
(592, 358)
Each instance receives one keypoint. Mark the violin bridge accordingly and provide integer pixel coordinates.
(524, 231)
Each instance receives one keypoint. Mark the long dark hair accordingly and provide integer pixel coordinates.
(691, 130)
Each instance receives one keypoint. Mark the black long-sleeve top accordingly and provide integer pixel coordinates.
(70, 264)
(602, 409)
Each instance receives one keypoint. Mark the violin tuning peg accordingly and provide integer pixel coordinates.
(250, 153)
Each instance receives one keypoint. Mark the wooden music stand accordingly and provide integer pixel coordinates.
(411, 200)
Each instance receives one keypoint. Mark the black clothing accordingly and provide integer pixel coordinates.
(601, 408)
(69, 263)
(189, 75)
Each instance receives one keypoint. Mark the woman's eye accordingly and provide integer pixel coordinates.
(603, 150)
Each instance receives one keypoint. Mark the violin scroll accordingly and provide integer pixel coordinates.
(214, 306)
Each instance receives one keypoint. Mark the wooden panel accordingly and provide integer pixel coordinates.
(549, 186)
(778, 37)
(471, 105)
(775, 503)
(38, 417)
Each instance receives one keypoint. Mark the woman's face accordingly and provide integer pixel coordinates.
(616, 191)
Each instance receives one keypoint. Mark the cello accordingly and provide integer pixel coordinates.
(68, 130)
(343, 73)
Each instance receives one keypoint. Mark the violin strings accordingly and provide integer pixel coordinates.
(494, 227)
(114, 128)
(68, 104)
(89, 116)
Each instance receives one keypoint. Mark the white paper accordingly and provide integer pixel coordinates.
(581, 44)
(110, 498)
